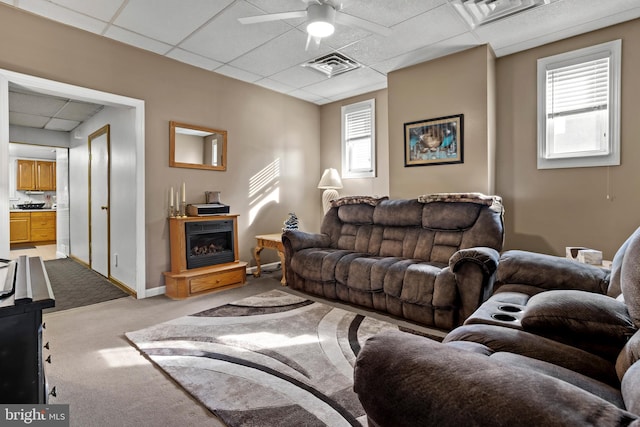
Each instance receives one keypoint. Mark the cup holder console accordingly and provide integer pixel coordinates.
(509, 308)
(504, 317)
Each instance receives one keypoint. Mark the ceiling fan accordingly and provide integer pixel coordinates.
(321, 18)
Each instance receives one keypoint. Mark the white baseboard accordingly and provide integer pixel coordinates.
(160, 290)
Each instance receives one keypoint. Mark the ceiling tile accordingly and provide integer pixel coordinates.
(78, 111)
(193, 59)
(34, 104)
(101, 9)
(224, 38)
(351, 81)
(61, 125)
(274, 85)
(137, 40)
(311, 97)
(430, 27)
(299, 76)
(546, 23)
(168, 21)
(28, 120)
(278, 54)
(236, 73)
(61, 14)
(390, 12)
(427, 53)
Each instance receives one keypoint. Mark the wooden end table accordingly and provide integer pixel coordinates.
(269, 241)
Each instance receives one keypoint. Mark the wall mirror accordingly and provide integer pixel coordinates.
(197, 147)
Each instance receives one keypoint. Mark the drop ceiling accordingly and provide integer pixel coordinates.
(207, 34)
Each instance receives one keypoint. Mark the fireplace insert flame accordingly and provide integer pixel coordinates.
(209, 243)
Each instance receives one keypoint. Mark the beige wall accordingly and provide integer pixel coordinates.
(273, 139)
(330, 156)
(547, 210)
(456, 84)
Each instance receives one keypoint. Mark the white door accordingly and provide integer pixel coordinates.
(99, 201)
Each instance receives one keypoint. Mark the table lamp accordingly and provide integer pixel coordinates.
(329, 182)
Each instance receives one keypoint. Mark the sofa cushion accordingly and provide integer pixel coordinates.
(600, 389)
(630, 277)
(593, 322)
(319, 264)
(629, 355)
(631, 389)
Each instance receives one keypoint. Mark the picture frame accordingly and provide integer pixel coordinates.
(436, 141)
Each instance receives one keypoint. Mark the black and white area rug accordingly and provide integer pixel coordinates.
(274, 359)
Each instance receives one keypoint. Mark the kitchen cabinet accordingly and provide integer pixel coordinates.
(43, 226)
(19, 227)
(27, 227)
(36, 175)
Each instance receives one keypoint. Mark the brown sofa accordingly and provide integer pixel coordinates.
(429, 260)
(563, 352)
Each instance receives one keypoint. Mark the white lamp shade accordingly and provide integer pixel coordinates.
(330, 179)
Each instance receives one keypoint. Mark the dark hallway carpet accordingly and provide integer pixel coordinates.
(75, 285)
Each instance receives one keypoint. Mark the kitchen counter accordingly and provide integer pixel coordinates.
(32, 210)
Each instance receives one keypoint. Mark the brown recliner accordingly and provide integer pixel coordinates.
(566, 357)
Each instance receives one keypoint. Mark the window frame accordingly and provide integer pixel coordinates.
(611, 50)
(347, 173)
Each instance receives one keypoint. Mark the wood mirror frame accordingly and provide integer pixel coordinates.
(190, 145)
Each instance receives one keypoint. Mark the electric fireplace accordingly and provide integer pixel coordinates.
(204, 255)
(209, 243)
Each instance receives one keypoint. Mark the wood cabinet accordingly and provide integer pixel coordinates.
(36, 175)
(43, 226)
(26, 227)
(19, 227)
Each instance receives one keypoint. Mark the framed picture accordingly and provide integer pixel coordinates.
(434, 141)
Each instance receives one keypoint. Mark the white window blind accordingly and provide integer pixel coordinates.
(578, 88)
(358, 142)
(578, 108)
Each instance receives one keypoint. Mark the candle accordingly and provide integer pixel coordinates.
(171, 197)
(184, 192)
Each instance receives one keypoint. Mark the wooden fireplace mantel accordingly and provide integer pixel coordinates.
(182, 282)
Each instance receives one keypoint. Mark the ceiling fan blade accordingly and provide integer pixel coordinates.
(272, 17)
(343, 18)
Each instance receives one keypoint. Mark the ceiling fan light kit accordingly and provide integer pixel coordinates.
(320, 19)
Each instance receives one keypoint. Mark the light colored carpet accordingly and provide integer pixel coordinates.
(274, 359)
(106, 381)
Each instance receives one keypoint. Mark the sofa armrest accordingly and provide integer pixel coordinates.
(486, 258)
(297, 240)
(406, 380)
(547, 272)
(474, 270)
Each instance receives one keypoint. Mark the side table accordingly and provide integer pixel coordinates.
(269, 241)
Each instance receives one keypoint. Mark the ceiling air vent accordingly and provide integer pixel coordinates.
(480, 12)
(332, 64)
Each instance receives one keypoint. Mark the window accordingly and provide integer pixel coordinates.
(578, 108)
(358, 140)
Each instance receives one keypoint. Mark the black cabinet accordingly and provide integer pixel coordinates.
(22, 376)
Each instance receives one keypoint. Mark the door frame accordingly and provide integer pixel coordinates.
(55, 88)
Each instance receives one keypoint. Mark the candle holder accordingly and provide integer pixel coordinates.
(172, 212)
(183, 210)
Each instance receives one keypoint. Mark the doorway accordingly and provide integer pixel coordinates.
(131, 193)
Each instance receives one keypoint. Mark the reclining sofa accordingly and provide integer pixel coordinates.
(558, 344)
(430, 260)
